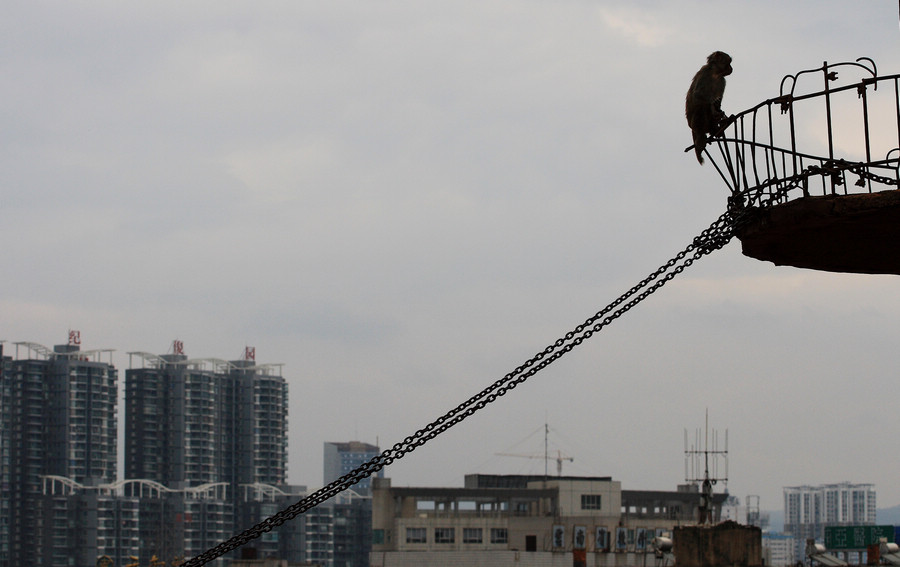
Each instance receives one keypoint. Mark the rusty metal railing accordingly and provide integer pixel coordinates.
(797, 145)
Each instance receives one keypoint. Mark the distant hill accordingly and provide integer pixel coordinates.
(888, 516)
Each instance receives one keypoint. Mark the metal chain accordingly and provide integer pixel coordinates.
(713, 238)
(866, 174)
(835, 169)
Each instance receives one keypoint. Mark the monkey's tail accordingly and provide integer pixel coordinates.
(699, 145)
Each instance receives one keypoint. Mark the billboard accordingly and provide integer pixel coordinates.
(856, 537)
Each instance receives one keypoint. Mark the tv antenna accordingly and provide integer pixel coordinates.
(705, 462)
(546, 456)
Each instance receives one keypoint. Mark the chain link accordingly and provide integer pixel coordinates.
(716, 236)
(864, 173)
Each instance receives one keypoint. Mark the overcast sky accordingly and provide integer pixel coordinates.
(402, 201)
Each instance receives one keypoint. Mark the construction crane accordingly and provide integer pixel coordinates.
(546, 456)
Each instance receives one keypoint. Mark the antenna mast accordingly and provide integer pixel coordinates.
(559, 455)
(546, 457)
(706, 459)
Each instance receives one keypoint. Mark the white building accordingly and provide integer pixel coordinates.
(778, 550)
(808, 510)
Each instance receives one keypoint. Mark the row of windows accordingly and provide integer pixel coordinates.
(591, 502)
(448, 535)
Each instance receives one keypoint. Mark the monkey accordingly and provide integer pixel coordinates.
(703, 103)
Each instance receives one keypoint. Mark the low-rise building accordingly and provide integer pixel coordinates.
(512, 519)
(778, 549)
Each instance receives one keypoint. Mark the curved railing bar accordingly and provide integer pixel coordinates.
(756, 164)
(829, 76)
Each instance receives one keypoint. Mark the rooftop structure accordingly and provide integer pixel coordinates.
(505, 515)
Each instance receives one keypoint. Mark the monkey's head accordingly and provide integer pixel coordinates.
(720, 63)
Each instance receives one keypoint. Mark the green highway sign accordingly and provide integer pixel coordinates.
(856, 537)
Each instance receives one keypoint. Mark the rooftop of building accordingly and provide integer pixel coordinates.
(25, 350)
(514, 484)
(522, 480)
(354, 447)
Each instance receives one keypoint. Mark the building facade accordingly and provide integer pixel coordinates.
(260, 501)
(57, 417)
(191, 422)
(535, 520)
(341, 535)
(778, 549)
(131, 521)
(174, 422)
(85, 522)
(342, 458)
(352, 516)
(205, 457)
(808, 510)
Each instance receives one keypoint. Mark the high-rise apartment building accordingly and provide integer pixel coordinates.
(175, 422)
(260, 501)
(808, 510)
(260, 424)
(191, 422)
(344, 527)
(5, 459)
(342, 458)
(318, 526)
(206, 444)
(352, 539)
(85, 522)
(57, 417)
